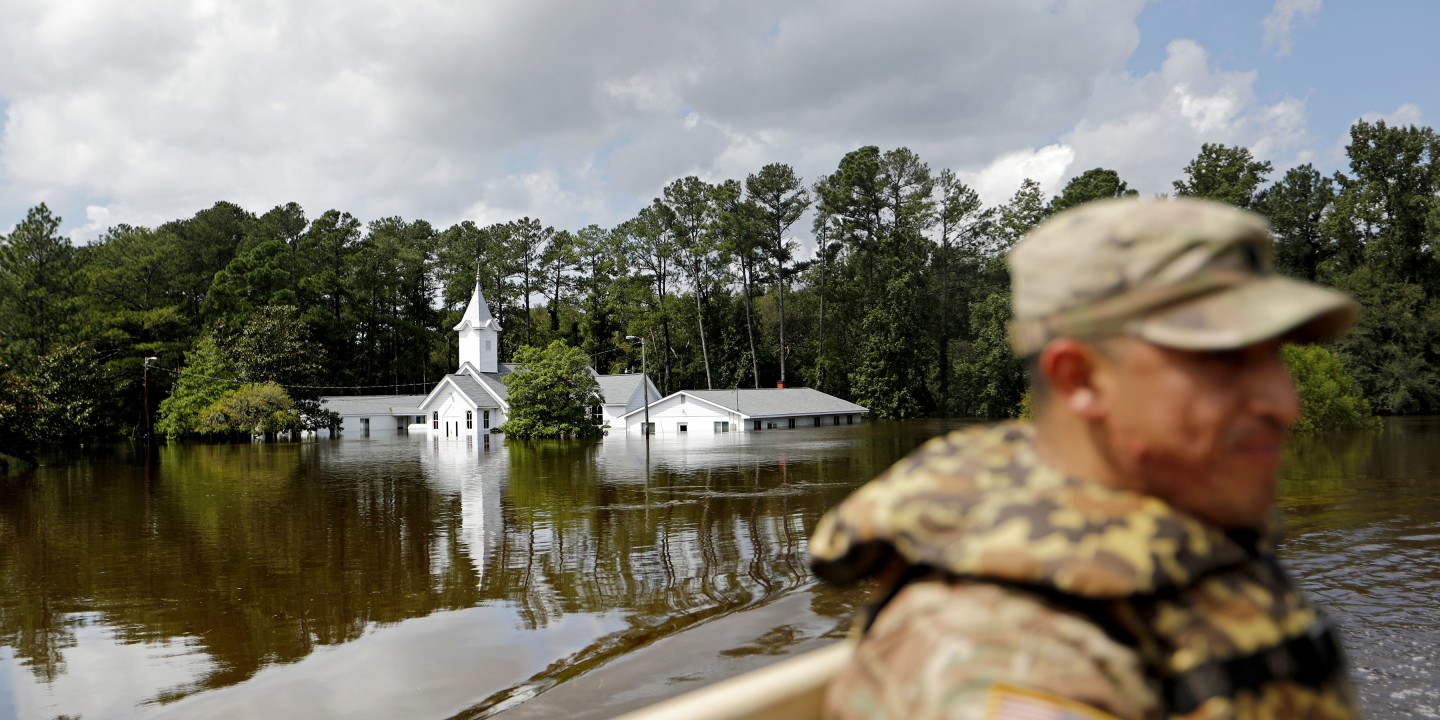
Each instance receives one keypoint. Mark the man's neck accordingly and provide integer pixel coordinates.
(1074, 447)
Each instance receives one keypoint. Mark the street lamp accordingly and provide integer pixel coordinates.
(644, 382)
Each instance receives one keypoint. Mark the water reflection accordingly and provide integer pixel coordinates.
(1363, 512)
(231, 580)
(413, 577)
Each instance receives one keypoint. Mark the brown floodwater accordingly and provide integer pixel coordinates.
(393, 576)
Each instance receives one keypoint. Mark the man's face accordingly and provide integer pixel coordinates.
(1200, 430)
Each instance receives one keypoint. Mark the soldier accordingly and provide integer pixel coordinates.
(1116, 558)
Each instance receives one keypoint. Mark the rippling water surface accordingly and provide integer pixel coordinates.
(403, 577)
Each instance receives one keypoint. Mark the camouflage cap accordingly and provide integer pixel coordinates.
(1183, 273)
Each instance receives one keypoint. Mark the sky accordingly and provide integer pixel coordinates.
(147, 111)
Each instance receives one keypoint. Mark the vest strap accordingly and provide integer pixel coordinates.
(1310, 660)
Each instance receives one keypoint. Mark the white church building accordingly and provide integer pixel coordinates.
(473, 400)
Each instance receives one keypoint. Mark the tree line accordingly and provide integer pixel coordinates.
(898, 300)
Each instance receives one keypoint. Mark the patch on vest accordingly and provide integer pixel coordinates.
(1007, 702)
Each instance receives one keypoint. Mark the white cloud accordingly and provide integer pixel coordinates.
(997, 182)
(1279, 25)
(1148, 128)
(579, 113)
(436, 109)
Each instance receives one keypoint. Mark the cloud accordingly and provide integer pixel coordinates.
(1149, 128)
(578, 113)
(997, 182)
(441, 110)
(1280, 23)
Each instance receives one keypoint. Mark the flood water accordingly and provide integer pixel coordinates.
(393, 576)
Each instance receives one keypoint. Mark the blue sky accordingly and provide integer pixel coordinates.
(579, 113)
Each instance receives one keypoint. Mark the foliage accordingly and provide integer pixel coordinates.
(890, 379)
(898, 297)
(991, 380)
(251, 409)
(1093, 184)
(37, 285)
(551, 394)
(203, 381)
(1225, 174)
(21, 407)
(1329, 397)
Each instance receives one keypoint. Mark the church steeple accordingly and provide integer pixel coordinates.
(479, 334)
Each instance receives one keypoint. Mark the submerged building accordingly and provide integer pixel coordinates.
(743, 410)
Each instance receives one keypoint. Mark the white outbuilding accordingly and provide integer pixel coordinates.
(744, 410)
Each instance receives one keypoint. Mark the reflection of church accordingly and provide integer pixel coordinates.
(473, 400)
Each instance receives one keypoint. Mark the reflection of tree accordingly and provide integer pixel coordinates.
(230, 547)
(680, 547)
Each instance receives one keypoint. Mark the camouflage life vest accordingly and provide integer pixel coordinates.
(1220, 628)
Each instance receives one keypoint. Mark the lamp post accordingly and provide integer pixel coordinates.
(645, 384)
(146, 382)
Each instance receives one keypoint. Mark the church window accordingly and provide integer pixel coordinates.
(485, 418)
(436, 419)
(469, 419)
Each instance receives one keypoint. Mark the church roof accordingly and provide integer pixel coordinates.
(477, 313)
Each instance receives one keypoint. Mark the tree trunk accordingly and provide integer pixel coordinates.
(700, 321)
(749, 324)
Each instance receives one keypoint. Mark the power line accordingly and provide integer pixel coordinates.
(390, 386)
(238, 381)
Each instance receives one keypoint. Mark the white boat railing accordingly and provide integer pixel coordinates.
(792, 689)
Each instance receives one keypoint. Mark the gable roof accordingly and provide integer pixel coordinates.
(348, 405)
(475, 388)
(771, 402)
(618, 389)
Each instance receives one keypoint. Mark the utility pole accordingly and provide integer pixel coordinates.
(645, 385)
(145, 378)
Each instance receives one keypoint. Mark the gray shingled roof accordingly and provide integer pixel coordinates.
(618, 389)
(375, 404)
(769, 402)
(470, 384)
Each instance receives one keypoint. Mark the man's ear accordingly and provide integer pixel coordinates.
(1069, 367)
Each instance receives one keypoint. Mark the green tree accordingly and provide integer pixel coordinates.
(253, 408)
(1329, 397)
(891, 378)
(779, 199)
(1392, 199)
(686, 210)
(68, 379)
(208, 374)
(21, 409)
(551, 393)
(1296, 206)
(1093, 184)
(1025, 209)
(990, 380)
(1229, 174)
(37, 285)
